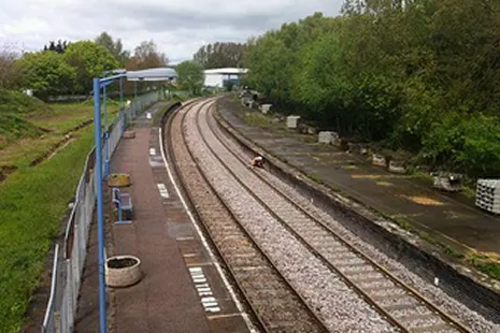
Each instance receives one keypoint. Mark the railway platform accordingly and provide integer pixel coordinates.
(451, 219)
(183, 288)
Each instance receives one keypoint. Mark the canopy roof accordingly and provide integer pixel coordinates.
(153, 74)
(226, 71)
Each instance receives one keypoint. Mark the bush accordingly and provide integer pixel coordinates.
(468, 144)
(17, 102)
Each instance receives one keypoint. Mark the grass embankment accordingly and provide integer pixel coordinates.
(33, 200)
(45, 130)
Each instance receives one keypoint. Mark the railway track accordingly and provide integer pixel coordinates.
(397, 302)
(275, 303)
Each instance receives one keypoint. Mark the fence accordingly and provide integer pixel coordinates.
(69, 257)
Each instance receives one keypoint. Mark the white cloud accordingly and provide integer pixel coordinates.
(179, 27)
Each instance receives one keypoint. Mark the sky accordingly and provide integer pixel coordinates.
(178, 27)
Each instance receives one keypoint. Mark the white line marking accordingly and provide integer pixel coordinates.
(163, 191)
(152, 151)
(199, 264)
(245, 316)
(229, 315)
(182, 239)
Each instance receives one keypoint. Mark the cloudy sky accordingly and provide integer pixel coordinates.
(179, 27)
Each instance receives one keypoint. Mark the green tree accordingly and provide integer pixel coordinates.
(405, 73)
(46, 74)
(9, 77)
(89, 60)
(146, 55)
(115, 47)
(220, 55)
(190, 76)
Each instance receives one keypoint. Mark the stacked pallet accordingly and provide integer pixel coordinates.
(488, 195)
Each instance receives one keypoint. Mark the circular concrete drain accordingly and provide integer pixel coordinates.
(122, 271)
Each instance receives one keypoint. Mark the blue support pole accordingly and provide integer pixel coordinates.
(135, 99)
(121, 93)
(100, 206)
(122, 112)
(106, 134)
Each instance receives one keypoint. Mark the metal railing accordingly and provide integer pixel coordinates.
(69, 257)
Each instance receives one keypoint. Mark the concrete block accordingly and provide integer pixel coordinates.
(379, 160)
(129, 135)
(335, 139)
(325, 137)
(448, 182)
(397, 167)
(265, 108)
(292, 122)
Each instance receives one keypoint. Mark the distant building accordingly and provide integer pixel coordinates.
(219, 77)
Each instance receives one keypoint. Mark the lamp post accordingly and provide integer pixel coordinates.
(100, 206)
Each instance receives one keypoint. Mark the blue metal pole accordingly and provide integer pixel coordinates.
(122, 113)
(135, 98)
(106, 134)
(121, 93)
(100, 208)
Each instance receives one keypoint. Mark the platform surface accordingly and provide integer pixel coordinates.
(181, 289)
(453, 217)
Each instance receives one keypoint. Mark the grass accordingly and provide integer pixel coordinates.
(316, 178)
(423, 176)
(486, 265)
(402, 222)
(65, 117)
(33, 202)
(159, 115)
(61, 119)
(14, 127)
(257, 119)
(453, 253)
(468, 192)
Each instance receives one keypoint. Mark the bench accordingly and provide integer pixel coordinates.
(123, 202)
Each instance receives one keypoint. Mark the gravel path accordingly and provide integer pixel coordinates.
(475, 321)
(340, 307)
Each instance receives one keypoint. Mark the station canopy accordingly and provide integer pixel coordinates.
(153, 74)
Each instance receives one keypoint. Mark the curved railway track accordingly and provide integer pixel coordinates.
(275, 303)
(399, 303)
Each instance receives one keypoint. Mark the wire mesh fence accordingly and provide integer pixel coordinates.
(69, 257)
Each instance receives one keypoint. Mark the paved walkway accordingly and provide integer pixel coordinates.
(181, 290)
(450, 217)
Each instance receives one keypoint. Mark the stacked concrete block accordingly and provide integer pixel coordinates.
(488, 195)
(292, 122)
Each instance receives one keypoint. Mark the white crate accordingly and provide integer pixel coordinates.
(325, 137)
(265, 108)
(488, 195)
(292, 122)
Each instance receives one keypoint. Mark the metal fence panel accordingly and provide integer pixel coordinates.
(70, 260)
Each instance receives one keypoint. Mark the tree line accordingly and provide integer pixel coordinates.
(64, 68)
(415, 75)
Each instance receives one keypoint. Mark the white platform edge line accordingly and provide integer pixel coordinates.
(238, 304)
